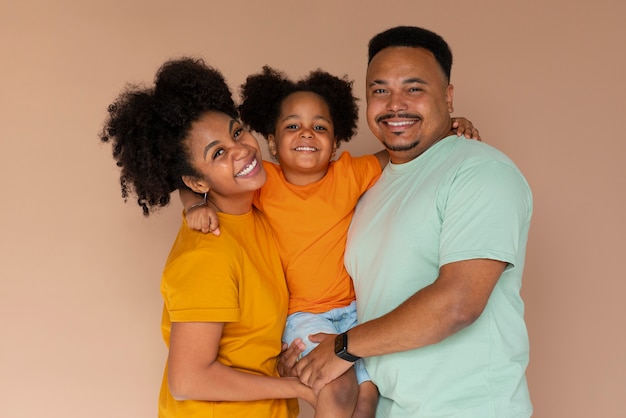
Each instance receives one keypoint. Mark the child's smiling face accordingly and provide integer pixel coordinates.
(304, 140)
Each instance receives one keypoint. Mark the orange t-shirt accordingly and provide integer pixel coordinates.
(236, 279)
(311, 224)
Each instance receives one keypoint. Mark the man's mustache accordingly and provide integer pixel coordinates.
(396, 115)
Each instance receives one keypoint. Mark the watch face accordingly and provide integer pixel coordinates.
(341, 348)
(338, 344)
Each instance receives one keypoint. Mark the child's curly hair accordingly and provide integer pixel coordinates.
(263, 94)
(148, 127)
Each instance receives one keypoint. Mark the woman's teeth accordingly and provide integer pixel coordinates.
(247, 169)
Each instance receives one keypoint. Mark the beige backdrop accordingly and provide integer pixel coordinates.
(544, 82)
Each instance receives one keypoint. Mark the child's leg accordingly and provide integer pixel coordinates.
(339, 397)
(368, 392)
(367, 401)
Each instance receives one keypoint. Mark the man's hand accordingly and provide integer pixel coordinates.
(321, 365)
(289, 357)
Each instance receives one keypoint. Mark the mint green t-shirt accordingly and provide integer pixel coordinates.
(457, 201)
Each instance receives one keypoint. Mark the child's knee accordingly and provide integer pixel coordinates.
(344, 391)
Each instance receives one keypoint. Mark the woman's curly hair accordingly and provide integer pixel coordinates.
(262, 96)
(148, 127)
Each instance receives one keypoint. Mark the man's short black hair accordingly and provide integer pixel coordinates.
(414, 37)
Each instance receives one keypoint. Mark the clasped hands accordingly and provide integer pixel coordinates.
(317, 368)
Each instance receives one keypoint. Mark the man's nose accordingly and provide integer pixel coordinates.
(396, 102)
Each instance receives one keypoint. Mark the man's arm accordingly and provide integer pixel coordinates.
(454, 301)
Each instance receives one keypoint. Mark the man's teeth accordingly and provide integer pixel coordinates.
(403, 123)
(247, 169)
(306, 149)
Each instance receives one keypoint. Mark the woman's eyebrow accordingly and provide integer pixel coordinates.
(208, 147)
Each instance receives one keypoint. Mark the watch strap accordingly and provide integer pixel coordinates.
(341, 348)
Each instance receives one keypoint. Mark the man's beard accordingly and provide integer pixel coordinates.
(400, 148)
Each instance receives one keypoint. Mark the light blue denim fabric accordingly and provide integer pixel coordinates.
(338, 320)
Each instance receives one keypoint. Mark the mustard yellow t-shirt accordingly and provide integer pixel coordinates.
(237, 279)
(311, 225)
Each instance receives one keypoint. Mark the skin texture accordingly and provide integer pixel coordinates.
(407, 86)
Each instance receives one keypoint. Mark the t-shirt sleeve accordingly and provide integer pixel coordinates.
(199, 286)
(366, 169)
(487, 208)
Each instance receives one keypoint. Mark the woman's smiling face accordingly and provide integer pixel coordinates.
(228, 159)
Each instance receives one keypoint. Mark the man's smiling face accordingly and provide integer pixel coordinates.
(409, 101)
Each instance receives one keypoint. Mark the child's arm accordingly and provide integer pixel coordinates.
(383, 158)
(462, 126)
(289, 356)
(199, 215)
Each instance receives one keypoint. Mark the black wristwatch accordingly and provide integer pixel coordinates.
(341, 348)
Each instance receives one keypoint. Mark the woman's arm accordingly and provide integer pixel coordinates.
(194, 372)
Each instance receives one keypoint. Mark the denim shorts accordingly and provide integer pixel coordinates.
(338, 320)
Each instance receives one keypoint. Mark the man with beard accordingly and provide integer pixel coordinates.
(436, 251)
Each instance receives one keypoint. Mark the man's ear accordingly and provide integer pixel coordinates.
(449, 94)
(271, 144)
(196, 184)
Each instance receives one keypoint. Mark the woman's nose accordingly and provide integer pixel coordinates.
(240, 150)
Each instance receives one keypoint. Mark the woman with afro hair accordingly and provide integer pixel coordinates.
(225, 298)
(309, 199)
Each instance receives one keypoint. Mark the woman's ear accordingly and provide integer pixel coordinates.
(196, 184)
